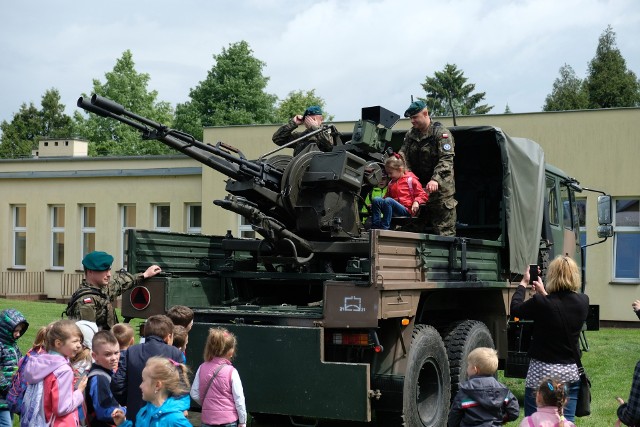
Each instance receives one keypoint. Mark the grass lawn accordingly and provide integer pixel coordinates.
(610, 362)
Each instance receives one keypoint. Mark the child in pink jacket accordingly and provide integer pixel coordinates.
(551, 397)
(61, 401)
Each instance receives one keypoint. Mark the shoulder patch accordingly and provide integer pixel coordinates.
(445, 135)
(446, 147)
(87, 300)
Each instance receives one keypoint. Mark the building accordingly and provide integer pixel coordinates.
(57, 207)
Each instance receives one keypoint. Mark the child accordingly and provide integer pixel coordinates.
(404, 194)
(180, 339)
(158, 331)
(80, 364)
(551, 397)
(100, 403)
(12, 326)
(216, 385)
(162, 380)
(125, 335)
(181, 315)
(482, 400)
(378, 191)
(61, 402)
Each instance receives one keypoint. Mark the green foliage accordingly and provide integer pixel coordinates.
(29, 125)
(296, 102)
(507, 109)
(609, 82)
(232, 94)
(569, 92)
(449, 93)
(127, 87)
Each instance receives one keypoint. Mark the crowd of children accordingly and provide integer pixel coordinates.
(127, 384)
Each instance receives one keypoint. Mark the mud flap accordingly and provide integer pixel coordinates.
(282, 373)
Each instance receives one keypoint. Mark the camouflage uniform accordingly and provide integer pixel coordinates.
(286, 133)
(430, 155)
(96, 304)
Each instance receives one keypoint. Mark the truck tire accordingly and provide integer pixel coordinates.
(459, 341)
(427, 386)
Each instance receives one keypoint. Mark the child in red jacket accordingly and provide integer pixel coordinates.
(404, 194)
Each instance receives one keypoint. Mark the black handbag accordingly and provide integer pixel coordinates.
(583, 406)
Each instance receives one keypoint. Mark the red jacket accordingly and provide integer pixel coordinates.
(406, 190)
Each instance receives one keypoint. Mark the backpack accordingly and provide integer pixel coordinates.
(33, 409)
(90, 416)
(15, 395)
(77, 295)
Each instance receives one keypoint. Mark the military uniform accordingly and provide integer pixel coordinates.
(96, 304)
(429, 155)
(286, 133)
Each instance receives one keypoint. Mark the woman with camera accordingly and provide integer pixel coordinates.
(559, 312)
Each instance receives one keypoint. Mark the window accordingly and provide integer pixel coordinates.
(57, 237)
(19, 256)
(581, 207)
(626, 222)
(88, 229)
(553, 201)
(162, 217)
(194, 219)
(127, 221)
(244, 228)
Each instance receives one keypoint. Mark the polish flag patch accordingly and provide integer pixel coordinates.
(87, 300)
(445, 135)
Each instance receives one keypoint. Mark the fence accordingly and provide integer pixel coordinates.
(69, 283)
(18, 283)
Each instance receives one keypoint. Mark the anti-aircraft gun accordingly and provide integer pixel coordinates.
(296, 204)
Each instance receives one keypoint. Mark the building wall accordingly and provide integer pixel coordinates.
(600, 148)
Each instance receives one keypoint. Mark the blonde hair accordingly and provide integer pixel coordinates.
(563, 275)
(553, 393)
(219, 342)
(395, 162)
(123, 333)
(62, 330)
(485, 359)
(83, 355)
(40, 341)
(174, 375)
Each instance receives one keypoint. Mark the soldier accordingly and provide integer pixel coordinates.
(428, 150)
(312, 120)
(93, 301)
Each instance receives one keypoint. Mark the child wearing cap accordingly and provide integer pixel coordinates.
(312, 121)
(12, 326)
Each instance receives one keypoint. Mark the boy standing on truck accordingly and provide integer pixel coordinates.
(482, 400)
(428, 151)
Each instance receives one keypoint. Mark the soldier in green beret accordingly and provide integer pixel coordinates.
(94, 299)
(428, 150)
(312, 120)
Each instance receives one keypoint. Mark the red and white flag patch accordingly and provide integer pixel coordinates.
(445, 135)
(87, 300)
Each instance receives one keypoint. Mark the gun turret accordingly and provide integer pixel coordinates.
(311, 197)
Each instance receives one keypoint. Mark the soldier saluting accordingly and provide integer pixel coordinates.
(428, 150)
(93, 301)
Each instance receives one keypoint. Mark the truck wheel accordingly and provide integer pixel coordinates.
(427, 386)
(464, 337)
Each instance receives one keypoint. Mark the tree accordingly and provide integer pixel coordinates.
(296, 102)
(127, 87)
(29, 125)
(507, 109)
(609, 82)
(232, 94)
(448, 93)
(569, 92)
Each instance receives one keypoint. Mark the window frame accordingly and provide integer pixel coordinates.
(123, 230)
(619, 230)
(15, 230)
(86, 230)
(57, 230)
(156, 212)
(244, 230)
(193, 229)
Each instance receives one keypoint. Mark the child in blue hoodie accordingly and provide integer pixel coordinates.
(12, 326)
(163, 381)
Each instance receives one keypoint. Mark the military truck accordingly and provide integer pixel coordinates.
(337, 322)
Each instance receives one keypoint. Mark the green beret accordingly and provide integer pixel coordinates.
(314, 110)
(97, 261)
(415, 108)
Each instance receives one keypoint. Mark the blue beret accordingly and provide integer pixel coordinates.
(97, 261)
(415, 108)
(314, 110)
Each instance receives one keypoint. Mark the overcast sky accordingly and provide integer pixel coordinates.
(354, 53)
